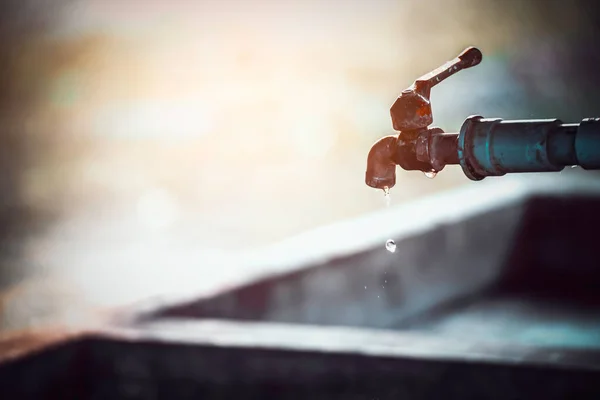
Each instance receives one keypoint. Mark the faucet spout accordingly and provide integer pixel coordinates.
(381, 167)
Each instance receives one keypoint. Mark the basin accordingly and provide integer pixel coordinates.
(492, 292)
(525, 271)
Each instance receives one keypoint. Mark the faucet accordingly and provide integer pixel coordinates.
(484, 146)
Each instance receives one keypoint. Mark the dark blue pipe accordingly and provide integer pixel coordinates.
(494, 147)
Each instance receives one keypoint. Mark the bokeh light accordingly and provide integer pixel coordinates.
(151, 142)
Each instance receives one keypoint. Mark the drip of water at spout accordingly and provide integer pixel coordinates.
(430, 174)
(390, 245)
(386, 196)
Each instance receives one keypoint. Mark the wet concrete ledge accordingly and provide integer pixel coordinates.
(216, 359)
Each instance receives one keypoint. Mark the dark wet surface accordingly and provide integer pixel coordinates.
(522, 319)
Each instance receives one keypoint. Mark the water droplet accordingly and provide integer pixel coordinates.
(574, 166)
(365, 287)
(430, 174)
(386, 196)
(390, 245)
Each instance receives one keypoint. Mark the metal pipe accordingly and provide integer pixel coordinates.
(444, 150)
(488, 147)
(494, 147)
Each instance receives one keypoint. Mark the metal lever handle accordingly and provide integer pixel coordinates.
(470, 57)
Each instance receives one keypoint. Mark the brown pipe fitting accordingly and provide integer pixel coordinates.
(381, 168)
(437, 148)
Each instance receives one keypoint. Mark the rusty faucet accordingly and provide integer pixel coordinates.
(484, 147)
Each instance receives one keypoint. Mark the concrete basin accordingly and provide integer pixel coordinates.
(491, 292)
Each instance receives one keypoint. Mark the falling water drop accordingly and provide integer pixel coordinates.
(430, 174)
(390, 246)
(386, 191)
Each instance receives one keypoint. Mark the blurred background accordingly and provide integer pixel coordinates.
(145, 146)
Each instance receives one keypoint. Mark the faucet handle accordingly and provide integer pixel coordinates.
(412, 109)
(467, 59)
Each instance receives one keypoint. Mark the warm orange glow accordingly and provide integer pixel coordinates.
(178, 134)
